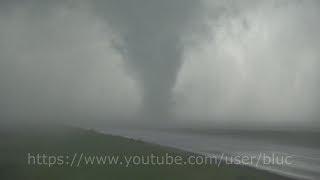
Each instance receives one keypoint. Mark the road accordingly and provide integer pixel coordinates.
(303, 161)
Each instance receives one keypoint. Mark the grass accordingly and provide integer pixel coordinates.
(15, 143)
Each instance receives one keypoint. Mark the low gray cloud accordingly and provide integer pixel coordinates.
(61, 66)
(259, 66)
(161, 61)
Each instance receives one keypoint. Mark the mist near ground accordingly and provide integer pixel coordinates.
(192, 63)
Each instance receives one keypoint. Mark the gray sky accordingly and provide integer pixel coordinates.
(163, 61)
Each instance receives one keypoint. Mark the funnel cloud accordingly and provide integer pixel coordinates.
(151, 33)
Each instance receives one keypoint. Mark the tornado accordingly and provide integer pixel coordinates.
(151, 33)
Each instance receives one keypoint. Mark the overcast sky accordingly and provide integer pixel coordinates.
(160, 61)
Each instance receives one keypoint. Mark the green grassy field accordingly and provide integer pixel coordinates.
(16, 143)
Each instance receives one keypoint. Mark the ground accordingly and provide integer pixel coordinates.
(16, 143)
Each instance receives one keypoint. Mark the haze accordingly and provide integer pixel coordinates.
(217, 63)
